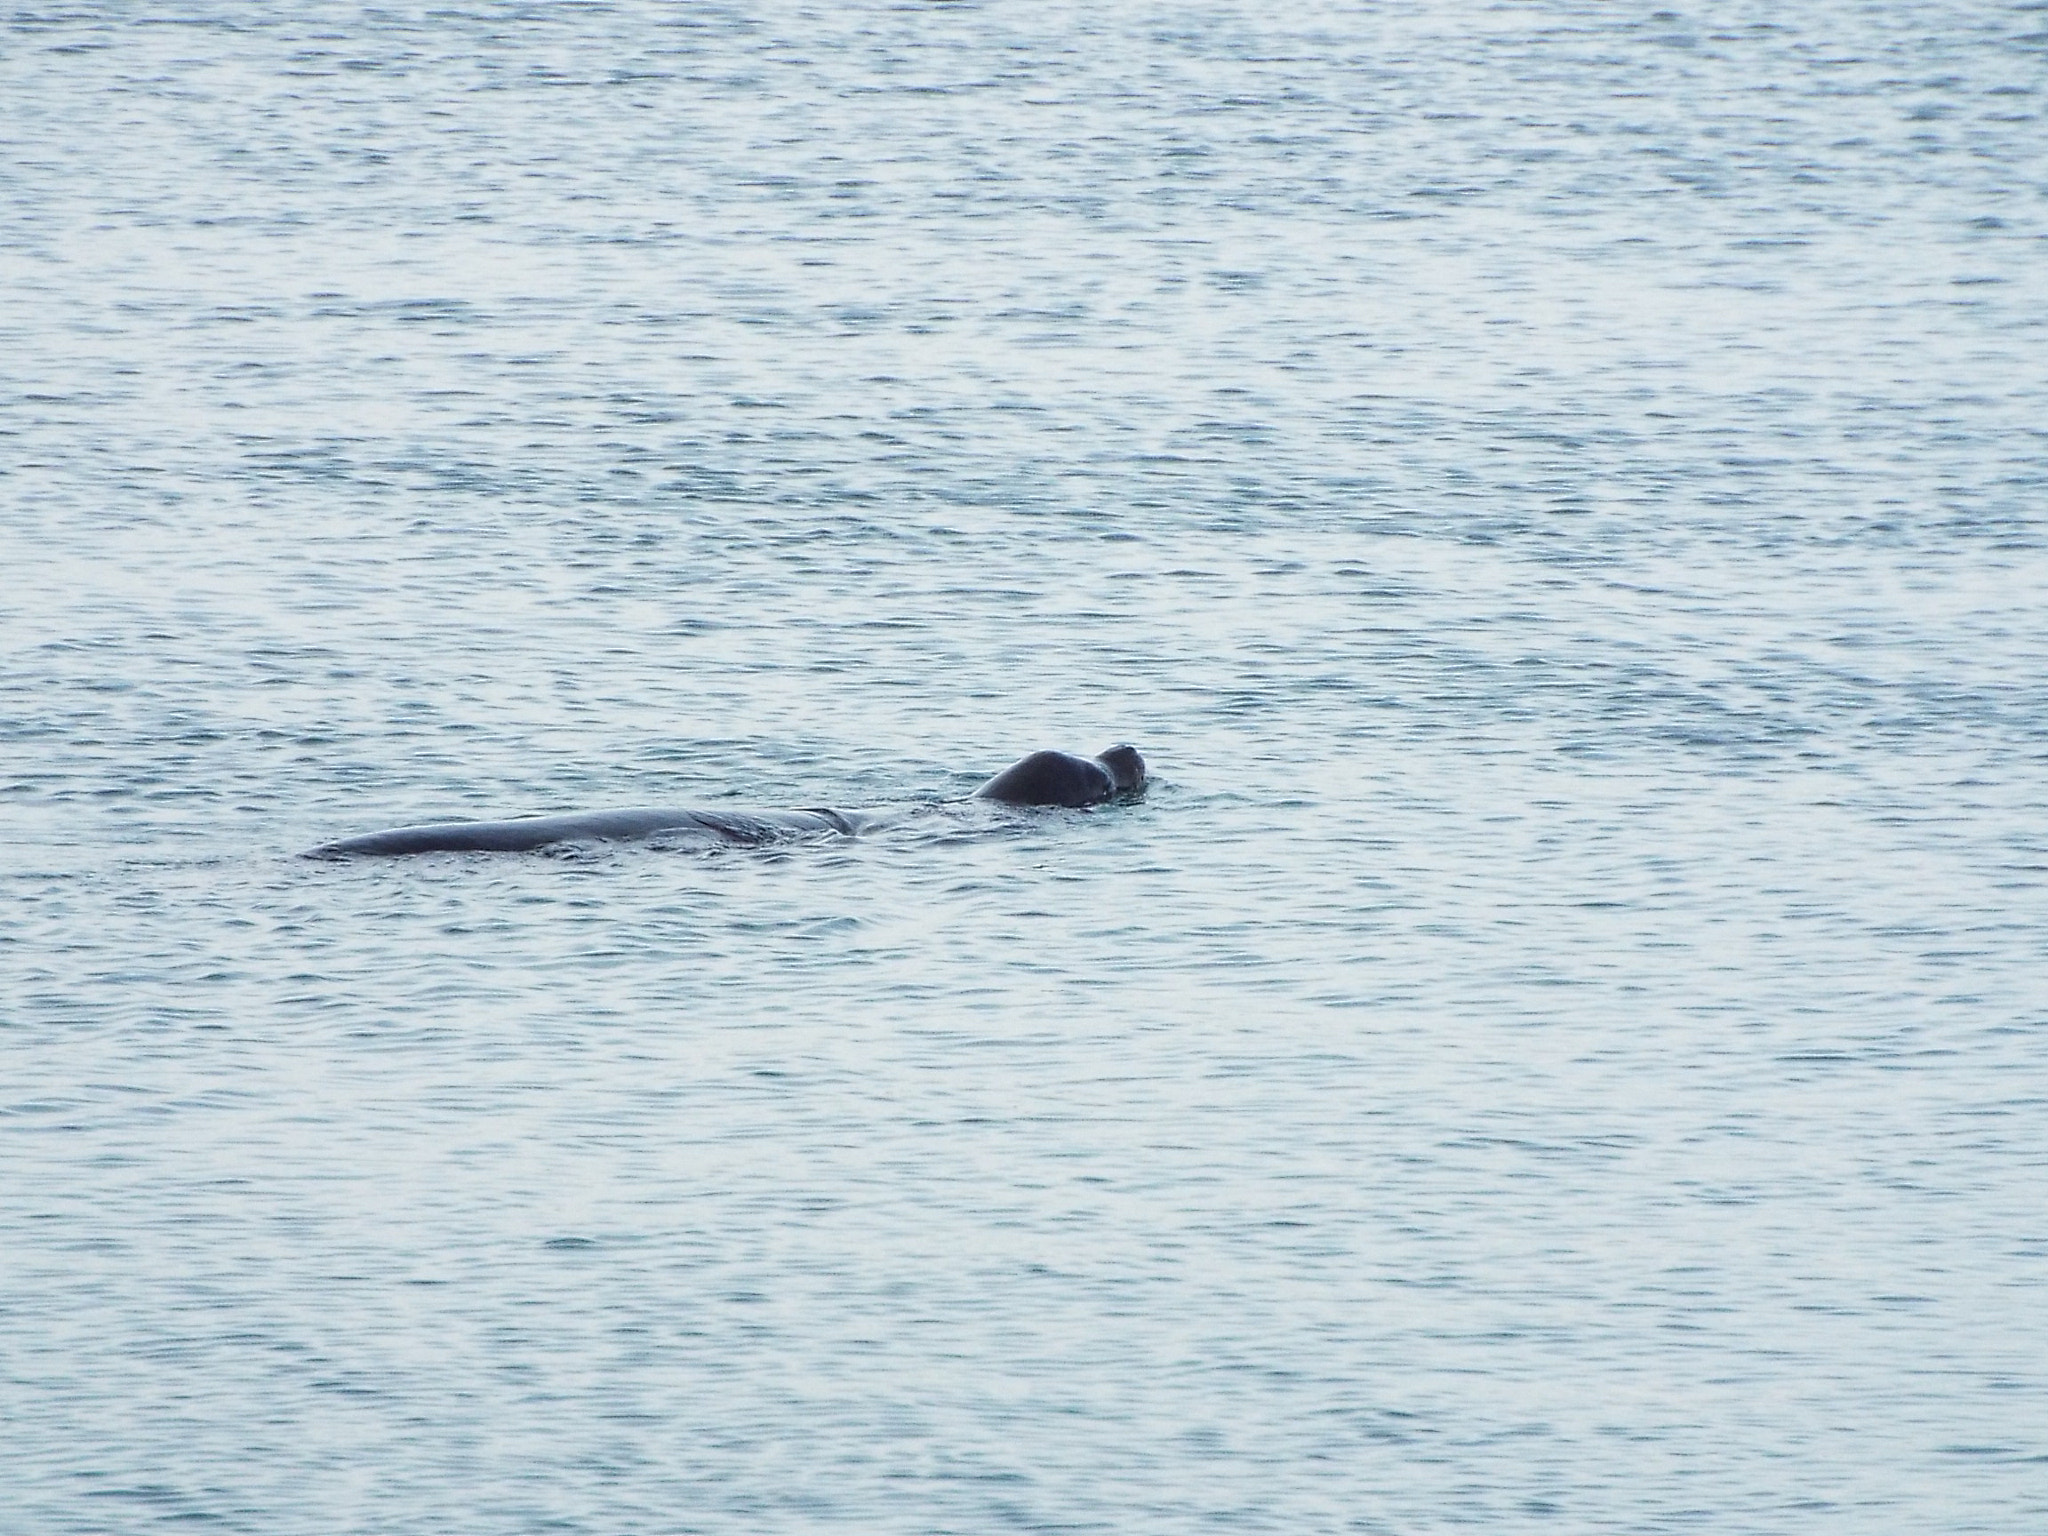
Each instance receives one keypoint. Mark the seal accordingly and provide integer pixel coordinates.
(1042, 779)
(1060, 778)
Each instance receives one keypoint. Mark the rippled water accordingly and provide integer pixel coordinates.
(1557, 493)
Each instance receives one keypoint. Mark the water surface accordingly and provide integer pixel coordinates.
(1555, 491)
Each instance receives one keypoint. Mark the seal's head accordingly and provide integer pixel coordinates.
(1126, 768)
(1059, 778)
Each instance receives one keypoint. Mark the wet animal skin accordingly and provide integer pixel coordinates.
(1042, 779)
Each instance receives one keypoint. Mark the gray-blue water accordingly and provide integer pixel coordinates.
(1559, 493)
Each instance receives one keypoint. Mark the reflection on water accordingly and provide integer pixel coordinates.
(1555, 494)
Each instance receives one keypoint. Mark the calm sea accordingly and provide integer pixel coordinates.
(1559, 494)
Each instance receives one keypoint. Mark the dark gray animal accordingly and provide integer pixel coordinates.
(1060, 778)
(1042, 779)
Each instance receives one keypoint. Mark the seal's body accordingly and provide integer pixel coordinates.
(748, 828)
